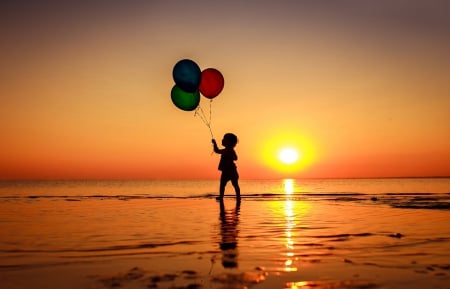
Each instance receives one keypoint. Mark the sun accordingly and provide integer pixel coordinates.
(288, 155)
(286, 152)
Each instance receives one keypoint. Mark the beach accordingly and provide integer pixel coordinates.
(97, 236)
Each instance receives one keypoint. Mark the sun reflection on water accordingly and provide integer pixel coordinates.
(293, 211)
(290, 218)
(288, 186)
(296, 285)
(290, 213)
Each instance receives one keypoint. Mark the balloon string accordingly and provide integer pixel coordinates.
(209, 125)
(200, 113)
(210, 106)
(210, 131)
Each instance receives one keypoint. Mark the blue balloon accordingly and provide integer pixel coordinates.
(187, 75)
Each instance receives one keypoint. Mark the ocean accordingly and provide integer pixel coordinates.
(289, 233)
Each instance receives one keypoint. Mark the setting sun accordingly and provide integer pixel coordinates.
(287, 152)
(288, 155)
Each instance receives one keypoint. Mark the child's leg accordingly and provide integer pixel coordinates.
(235, 184)
(223, 183)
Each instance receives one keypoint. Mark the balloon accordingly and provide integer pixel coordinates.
(212, 83)
(187, 75)
(185, 100)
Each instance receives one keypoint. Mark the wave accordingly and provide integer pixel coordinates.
(103, 249)
(395, 200)
(70, 256)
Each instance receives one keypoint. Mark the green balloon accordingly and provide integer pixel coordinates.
(184, 100)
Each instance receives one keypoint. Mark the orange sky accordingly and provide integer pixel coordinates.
(360, 89)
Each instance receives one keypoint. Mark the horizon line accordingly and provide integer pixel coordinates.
(205, 179)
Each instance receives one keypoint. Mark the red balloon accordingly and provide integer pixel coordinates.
(212, 83)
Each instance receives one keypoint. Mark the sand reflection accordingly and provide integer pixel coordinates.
(229, 220)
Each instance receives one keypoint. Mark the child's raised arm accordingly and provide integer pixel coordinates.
(216, 148)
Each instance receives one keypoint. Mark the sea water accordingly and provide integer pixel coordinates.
(207, 188)
(384, 233)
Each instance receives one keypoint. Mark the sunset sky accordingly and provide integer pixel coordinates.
(357, 88)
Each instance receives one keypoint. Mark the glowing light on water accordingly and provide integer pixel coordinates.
(288, 186)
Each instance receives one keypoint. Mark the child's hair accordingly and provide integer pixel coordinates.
(230, 139)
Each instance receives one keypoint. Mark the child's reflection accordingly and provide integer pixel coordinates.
(229, 220)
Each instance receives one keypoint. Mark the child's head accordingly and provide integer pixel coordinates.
(229, 140)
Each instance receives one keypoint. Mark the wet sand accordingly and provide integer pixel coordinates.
(197, 243)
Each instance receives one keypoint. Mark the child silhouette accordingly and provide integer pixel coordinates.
(227, 165)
